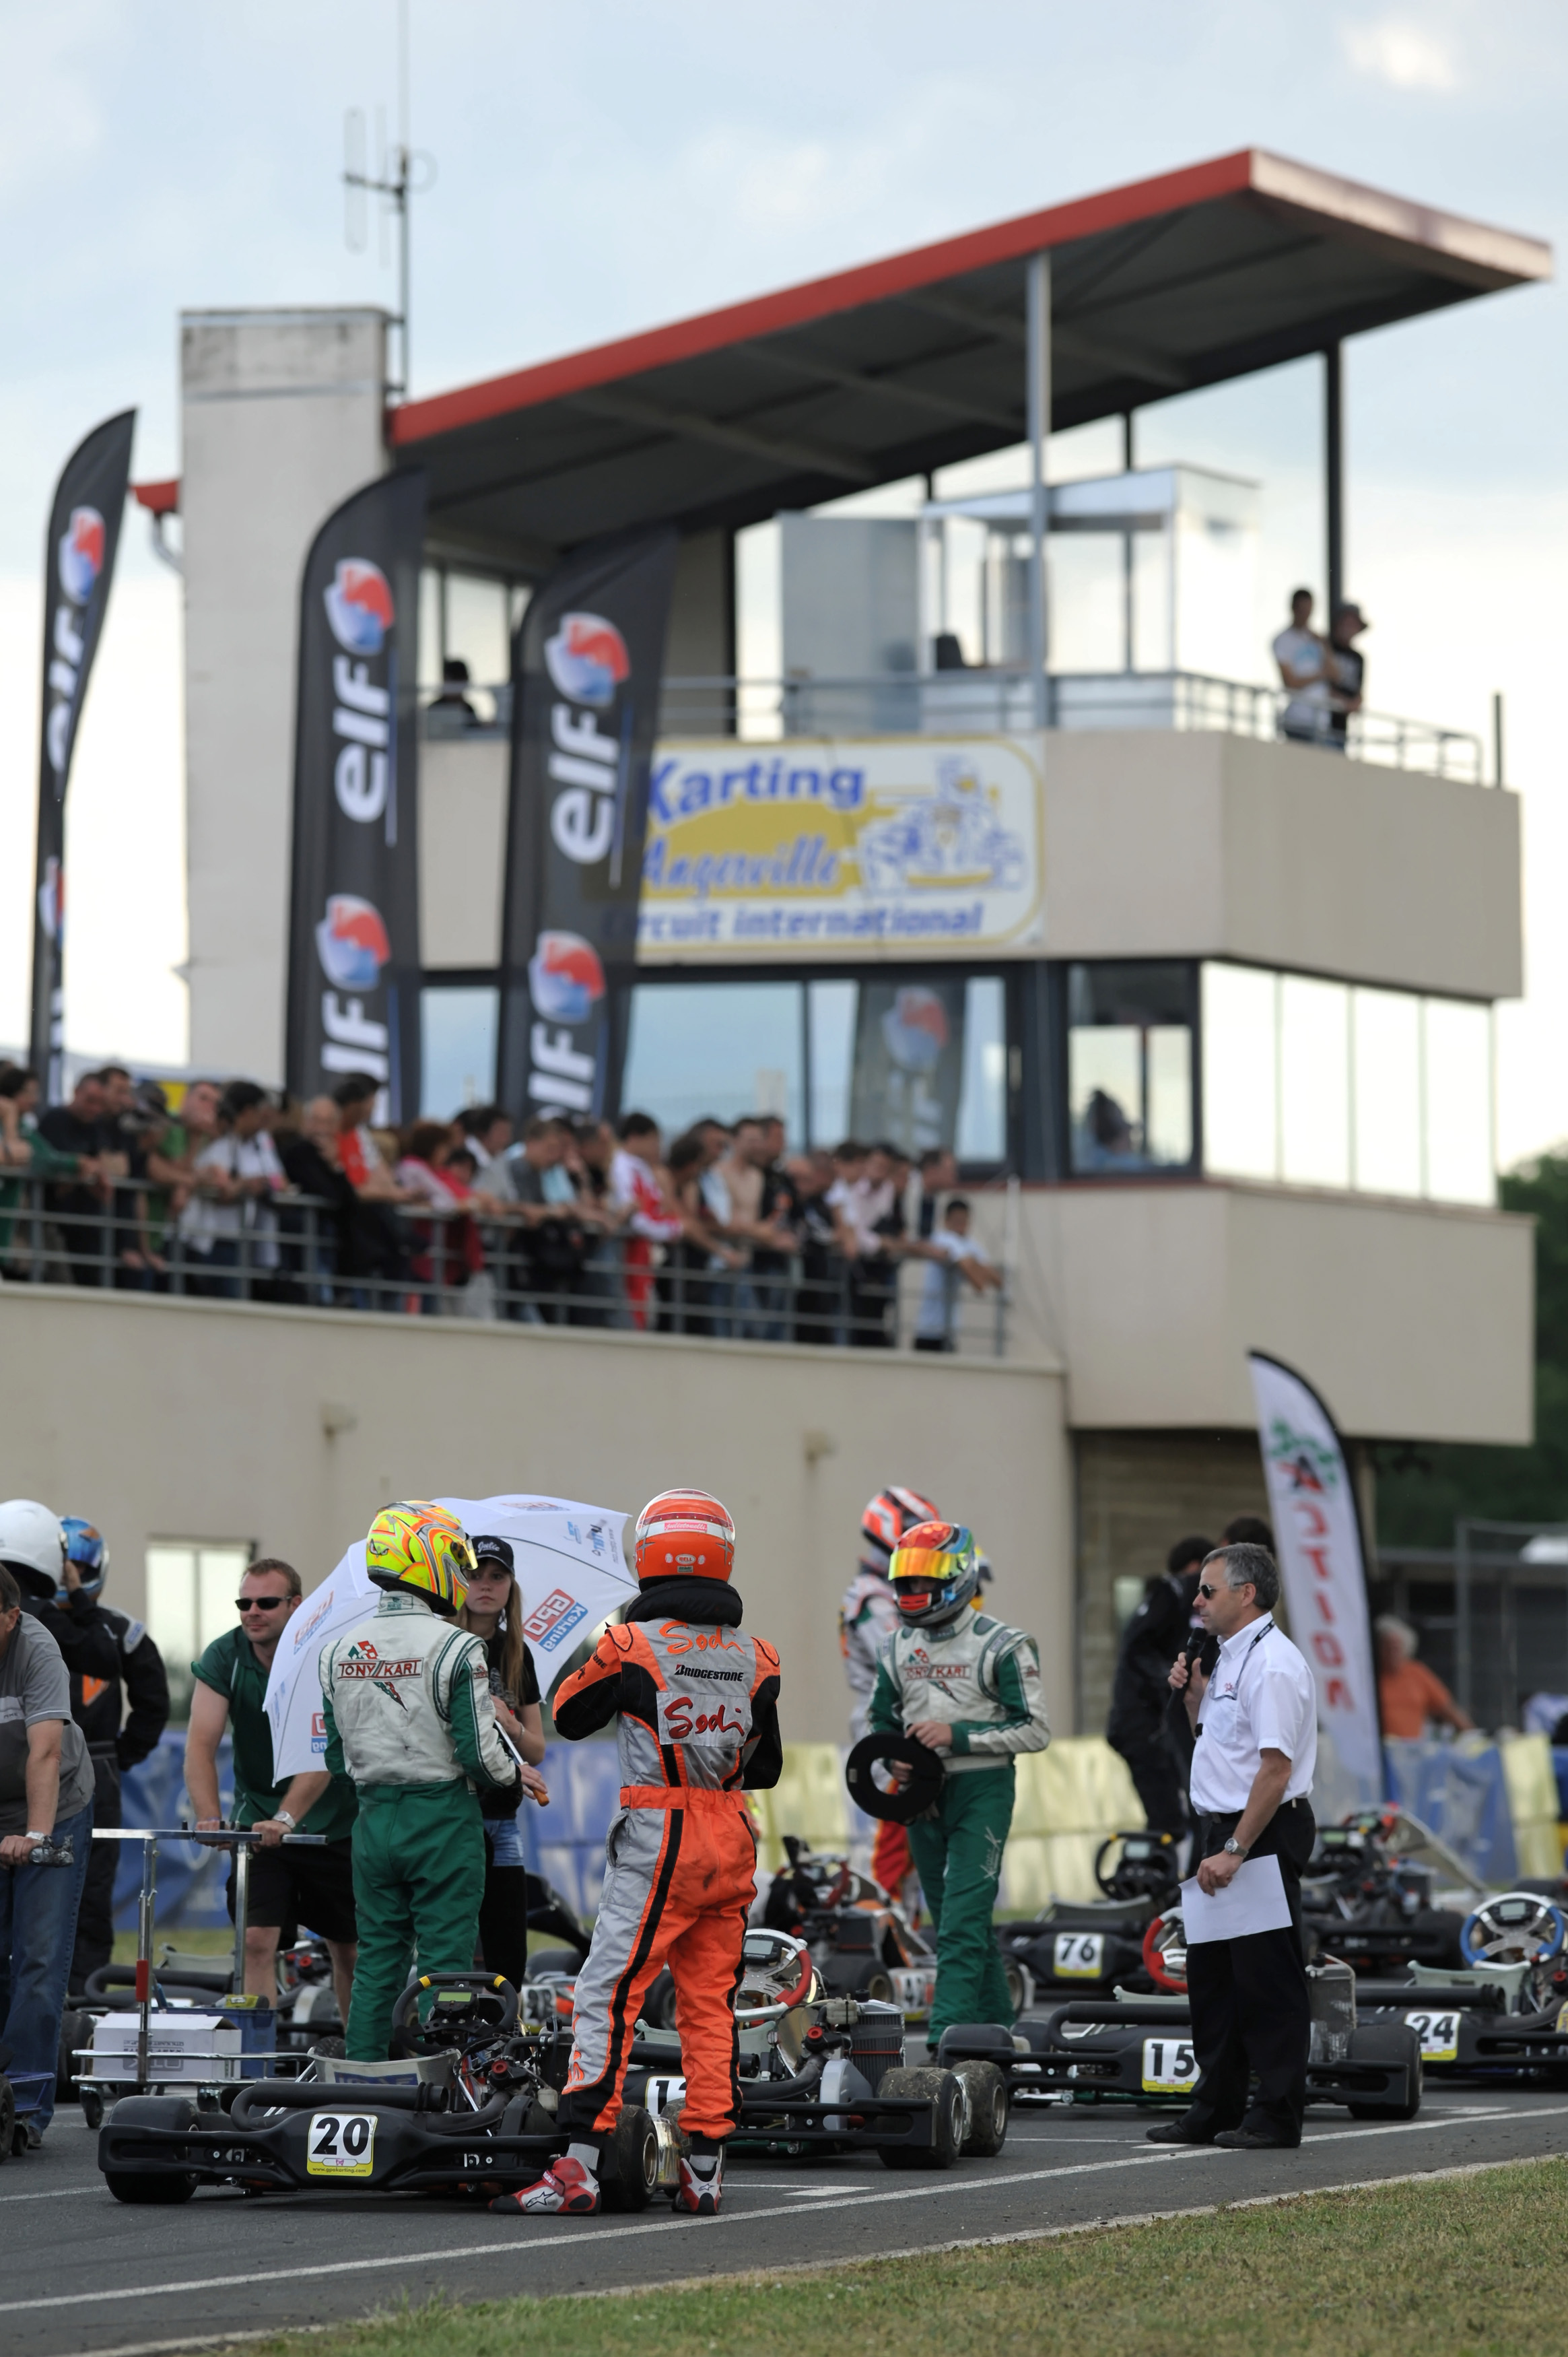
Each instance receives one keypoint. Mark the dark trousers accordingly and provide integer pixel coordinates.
(503, 1921)
(1154, 1772)
(95, 1916)
(1251, 2009)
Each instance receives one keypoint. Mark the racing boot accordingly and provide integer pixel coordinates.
(565, 2187)
(701, 2190)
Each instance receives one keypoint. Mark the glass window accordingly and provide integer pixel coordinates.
(722, 1047)
(1458, 1073)
(830, 1013)
(456, 1047)
(981, 1132)
(191, 1591)
(1314, 1082)
(1386, 1092)
(1240, 1071)
(477, 620)
(1129, 1066)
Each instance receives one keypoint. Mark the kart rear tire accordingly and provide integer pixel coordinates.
(128, 2186)
(877, 1988)
(1018, 1993)
(628, 2172)
(942, 2089)
(989, 2103)
(1393, 2042)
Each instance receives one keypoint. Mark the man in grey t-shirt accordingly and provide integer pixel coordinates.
(46, 1791)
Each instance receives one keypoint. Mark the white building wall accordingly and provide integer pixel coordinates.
(282, 419)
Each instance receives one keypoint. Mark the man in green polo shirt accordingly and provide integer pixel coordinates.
(288, 1887)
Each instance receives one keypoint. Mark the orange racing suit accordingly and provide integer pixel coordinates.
(698, 1709)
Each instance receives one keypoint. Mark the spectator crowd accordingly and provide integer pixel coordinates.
(578, 1222)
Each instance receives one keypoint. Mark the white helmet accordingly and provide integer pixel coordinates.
(32, 1546)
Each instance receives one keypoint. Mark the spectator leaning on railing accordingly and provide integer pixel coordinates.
(636, 1184)
(230, 1221)
(80, 1128)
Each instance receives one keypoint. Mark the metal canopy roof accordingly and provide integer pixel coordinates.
(903, 365)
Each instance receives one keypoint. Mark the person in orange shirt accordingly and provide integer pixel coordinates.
(1409, 1695)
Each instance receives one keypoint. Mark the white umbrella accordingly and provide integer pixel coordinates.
(571, 1574)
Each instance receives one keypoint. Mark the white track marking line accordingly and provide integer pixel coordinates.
(949, 2186)
(913, 2251)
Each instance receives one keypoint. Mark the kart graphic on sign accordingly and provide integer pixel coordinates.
(951, 837)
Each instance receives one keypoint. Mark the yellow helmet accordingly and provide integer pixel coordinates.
(422, 1547)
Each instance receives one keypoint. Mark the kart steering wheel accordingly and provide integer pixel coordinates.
(1165, 1952)
(1515, 1927)
(777, 1975)
(493, 2001)
(1146, 1868)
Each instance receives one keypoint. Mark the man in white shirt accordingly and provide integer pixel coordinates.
(1304, 662)
(953, 1257)
(1256, 1723)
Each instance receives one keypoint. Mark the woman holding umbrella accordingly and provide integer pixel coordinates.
(493, 1611)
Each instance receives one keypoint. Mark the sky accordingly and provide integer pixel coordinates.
(599, 172)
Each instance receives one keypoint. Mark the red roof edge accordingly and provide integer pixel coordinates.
(162, 499)
(819, 297)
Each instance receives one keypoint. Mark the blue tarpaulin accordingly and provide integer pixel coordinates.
(564, 1842)
(1460, 1794)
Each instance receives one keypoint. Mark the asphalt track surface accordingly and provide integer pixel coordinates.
(82, 2273)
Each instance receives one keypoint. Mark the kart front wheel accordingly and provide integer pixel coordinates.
(942, 2089)
(1390, 2042)
(985, 2088)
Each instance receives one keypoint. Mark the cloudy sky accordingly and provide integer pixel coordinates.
(602, 171)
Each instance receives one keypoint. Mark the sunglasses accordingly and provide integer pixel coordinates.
(1204, 1589)
(259, 1603)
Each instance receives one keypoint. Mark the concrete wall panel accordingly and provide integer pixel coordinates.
(166, 1419)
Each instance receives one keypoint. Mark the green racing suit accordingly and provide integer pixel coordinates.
(982, 1678)
(406, 1699)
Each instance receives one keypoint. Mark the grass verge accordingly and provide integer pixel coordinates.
(1462, 2266)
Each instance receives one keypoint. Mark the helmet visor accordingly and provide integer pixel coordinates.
(929, 1568)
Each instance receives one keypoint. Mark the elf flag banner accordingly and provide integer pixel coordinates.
(1317, 1539)
(79, 569)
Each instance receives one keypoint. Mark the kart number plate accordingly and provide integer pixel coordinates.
(1079, 1956)
(1439, 2035)
(1170, 2066)
(341, 2144)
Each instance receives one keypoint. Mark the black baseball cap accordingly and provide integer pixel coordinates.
(494, 1550)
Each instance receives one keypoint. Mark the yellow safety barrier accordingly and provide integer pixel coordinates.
(1533, 1805)
(1069, 1798)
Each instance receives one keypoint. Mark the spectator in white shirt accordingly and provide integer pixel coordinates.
(1304, 662)
(229, 1221)
(954, 1259)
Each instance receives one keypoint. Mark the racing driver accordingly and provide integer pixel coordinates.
(867, 1618)
(698, 1710)
(409, 1718)
(968, 1687)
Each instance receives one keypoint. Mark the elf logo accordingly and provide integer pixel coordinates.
(79, 562)
(353, 945)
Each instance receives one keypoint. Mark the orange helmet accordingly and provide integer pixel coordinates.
(684, 1532)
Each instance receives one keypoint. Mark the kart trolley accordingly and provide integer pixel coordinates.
(178, 2006)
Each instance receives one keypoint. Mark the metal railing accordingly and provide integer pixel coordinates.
(1001, 703)
(413, 1260)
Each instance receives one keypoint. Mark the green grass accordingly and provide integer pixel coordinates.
(1468, 2267)
(207, 1942)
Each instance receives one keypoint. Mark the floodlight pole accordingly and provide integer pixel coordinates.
(1038, 358)
(1334, 472)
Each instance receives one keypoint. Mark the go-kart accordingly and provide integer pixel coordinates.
(1503, 2012)
(468, 2106)
(862, 1942)
(1138, 2050)
(1382, 1891)
(1090, 1947)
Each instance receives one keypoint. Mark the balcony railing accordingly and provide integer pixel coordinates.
(301, 1252)
(996, 703)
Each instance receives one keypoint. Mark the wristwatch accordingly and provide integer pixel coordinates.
(1233, 1848)
(283, 1818)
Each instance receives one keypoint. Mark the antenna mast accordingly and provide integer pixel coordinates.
(394, 182)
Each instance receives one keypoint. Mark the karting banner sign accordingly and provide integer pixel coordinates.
(585, 680)
(79, 567)
(1318, 1537)
(353, 959)
(888, 848)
